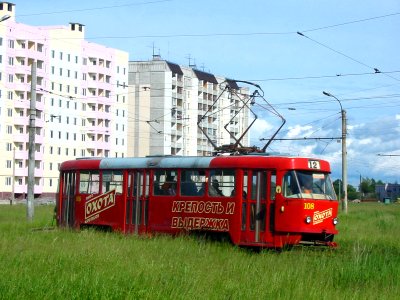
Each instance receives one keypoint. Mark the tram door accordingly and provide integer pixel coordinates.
(67, 213)
(137, 202)
(254, 206)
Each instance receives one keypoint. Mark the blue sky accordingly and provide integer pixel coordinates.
(257, 40)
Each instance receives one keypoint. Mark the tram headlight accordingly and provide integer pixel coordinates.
(335, 221)
(308, 219)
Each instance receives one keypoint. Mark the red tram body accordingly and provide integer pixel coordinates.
(258, 200)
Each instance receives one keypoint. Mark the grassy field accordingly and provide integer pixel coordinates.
(59, 264)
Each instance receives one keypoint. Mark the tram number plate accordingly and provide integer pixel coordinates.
(314, 164)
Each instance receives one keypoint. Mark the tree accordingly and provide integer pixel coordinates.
(352, 192)
(336, 185)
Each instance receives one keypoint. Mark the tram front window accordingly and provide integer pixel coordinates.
(310, 185)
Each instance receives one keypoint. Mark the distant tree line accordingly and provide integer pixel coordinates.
(365, 190)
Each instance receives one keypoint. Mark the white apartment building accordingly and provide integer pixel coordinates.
(166, 102)
(81, 101)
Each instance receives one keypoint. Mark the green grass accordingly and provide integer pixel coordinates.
(62, 264)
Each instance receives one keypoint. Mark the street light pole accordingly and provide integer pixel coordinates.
(344, 152)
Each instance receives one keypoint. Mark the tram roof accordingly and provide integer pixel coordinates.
(166, 162)
(187, 162)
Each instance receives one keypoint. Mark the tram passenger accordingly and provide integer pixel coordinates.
(244, 194)
(214, 189)
(157, 188)
(188, 186)
(169, 186)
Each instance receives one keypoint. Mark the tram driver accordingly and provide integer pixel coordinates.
(307, 184)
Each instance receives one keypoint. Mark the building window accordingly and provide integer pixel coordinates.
(8, 164)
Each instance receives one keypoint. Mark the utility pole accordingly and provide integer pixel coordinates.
(13, 179)
(31, 153)
(344, 161)
(344, 152)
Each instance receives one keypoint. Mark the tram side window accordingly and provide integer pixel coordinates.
(221, 183)
(164, 182)
(192, 182)
(89, 182)
(290, 185)
(112, 180)
(273, 186)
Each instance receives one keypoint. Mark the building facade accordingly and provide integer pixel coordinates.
(167, 101)
(80, 97)
(388, 191)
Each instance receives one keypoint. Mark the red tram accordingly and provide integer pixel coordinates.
(258, 200)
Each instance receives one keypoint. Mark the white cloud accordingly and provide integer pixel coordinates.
(260, 128)
(299, 131)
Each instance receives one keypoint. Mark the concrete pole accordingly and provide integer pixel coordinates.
(13, 179)
(344, 162)
(31, 153)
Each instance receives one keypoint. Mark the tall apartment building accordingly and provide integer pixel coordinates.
(81, 101)
(168, 99)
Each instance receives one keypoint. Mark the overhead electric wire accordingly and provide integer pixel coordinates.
(351, 22)
(94, 8)
(204, 34)
(323, 76)
(376, 70)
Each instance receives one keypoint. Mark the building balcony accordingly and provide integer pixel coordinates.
(39, 139)
(21, 137)
(21, 172)
(98, 130)
(20, 189)
(21, 120)
(22, 104)
(19, 86)
(98, 145)
(21, 155)
(23, 188)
